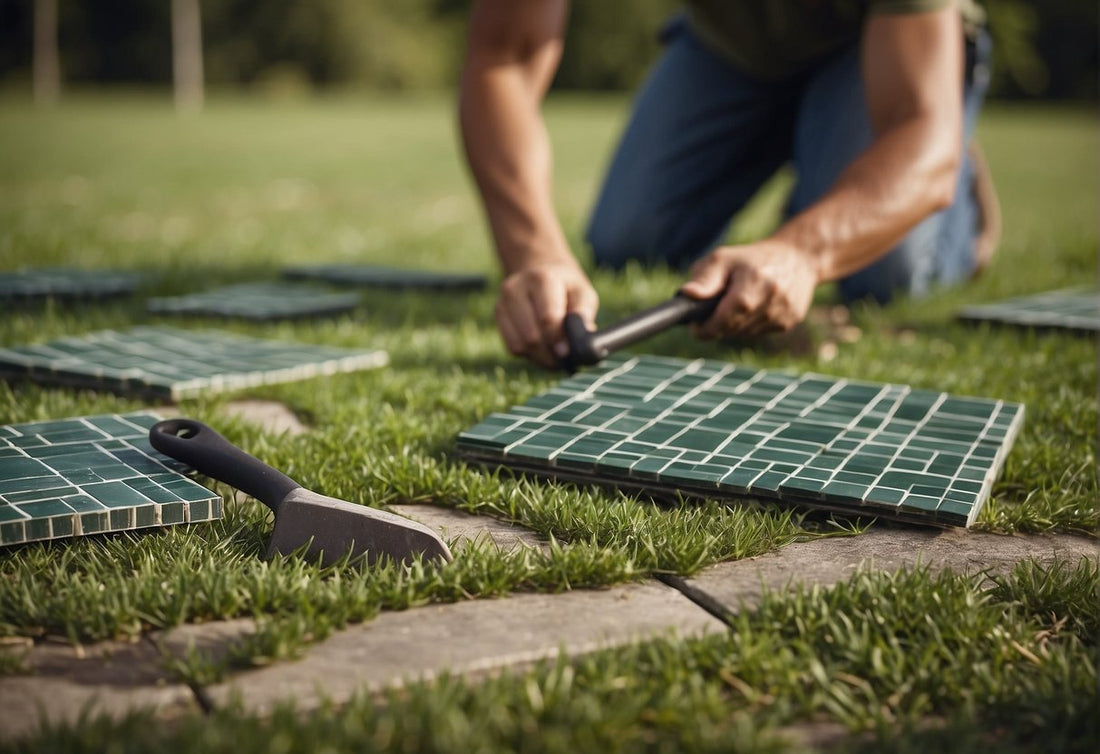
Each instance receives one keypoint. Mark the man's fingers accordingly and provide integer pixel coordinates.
(519, 327)
(738, 307)
(583, 300)
(508, 333)
(708, 277)
(548, 301)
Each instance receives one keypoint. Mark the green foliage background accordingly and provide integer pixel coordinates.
(1045, 48)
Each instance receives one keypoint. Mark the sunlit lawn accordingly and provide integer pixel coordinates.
(250, 187)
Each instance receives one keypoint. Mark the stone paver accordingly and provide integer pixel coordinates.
(833, 559)
(458, 525)
(111, 678)
(470, 638)
(478, 636)
(212, 640)
(272, 416)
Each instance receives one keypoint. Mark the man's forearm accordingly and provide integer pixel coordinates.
(912, 77)
(907, 174)
(509, 154)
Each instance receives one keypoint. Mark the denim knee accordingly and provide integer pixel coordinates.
(612, 244)
(906, 269)
(629, 237)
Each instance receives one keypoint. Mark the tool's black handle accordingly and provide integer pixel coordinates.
(209, 453)
(588, 347)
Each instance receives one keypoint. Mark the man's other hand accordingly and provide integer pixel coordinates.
(533, 303)
(768, 285)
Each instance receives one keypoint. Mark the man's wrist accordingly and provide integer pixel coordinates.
(519, 258)
(810, 249)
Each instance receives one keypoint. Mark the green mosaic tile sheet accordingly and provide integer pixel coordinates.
(258, 301)
(1075, 309)
(90, 475)
(169, 363)
(717, 429)
(388, 277)
(65, 283)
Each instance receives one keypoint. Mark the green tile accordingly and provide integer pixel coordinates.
(920, 503)
(198, 511)
(952, 508)
(12, 533)
(886, 495)
(769, 481)
(72, 451)
(392, 278)
(150, 490)
(122, 518)
(767, 453)
(1073, 309)
(738, 479)
(173, 513)
(62, 526)
(648, 468)
(37, 529)
(801, 487)
(83, 503)
(10, 513)
(14, 467)
(17, 485)
(94, 523)
(145, 515)
(257, 301)
(115, 494)
(810, 438)
(173, 364)
(65, 283)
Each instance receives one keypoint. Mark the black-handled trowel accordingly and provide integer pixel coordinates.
(331, 528)
(588, 347)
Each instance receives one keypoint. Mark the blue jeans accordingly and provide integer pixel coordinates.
(703, 138)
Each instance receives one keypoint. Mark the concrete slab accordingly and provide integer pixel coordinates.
(272, 416)
(458, 525)
(66, 682)
(468, 637)
(828, 561)
(212, 640)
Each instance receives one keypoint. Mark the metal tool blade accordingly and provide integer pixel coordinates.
(334, 528)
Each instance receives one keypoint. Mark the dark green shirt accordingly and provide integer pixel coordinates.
(773, 39)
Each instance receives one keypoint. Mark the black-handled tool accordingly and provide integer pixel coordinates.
(592, 346)
(331, 528)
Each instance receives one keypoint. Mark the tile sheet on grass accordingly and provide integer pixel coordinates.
(388, 277)
(23, 286)
(169, 363)
(715, 429)
(257, 301)
(1076, 309)
(89, 475)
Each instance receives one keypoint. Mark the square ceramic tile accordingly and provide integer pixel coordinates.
(715, 429)
(171, 364)
(258, 301)
(388, 277)
(65, 283)
(1075, 309)
(90, 475)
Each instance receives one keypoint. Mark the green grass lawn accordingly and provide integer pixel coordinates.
(250, 187)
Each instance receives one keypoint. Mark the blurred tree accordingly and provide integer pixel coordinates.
(47, 63)
(1044, 48)
(187, 55)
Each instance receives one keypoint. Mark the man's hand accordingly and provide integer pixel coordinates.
(533, 302)
(769, 287)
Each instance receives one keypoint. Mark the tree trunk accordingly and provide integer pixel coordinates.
(47, 64)
(187, 55)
